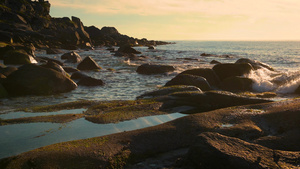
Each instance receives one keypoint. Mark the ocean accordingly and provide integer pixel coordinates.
(123, 83)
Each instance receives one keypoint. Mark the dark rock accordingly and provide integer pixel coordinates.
(5, 49)
(214, 62)
(88, 64)
(169, 90)
(128, 49)
(3, 92)
(208, 74)
(89, 81)
(17, 57)
(149, 69)
(237, 84)
(53, 51)
(32, 79)
(55, 66)
(210, 100)
(151, 47)
(70, 69)
(46, 59)
(255, 64)
(78, 76)
(213, 150)
(190, 80)
(6, 37)
(71, 57)
(7, 70)
(2, 76)
(109, 31)
(205, 54)
(226, 70)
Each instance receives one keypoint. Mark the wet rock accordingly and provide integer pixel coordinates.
(214, 62)
(6, 37)
(89, 81)
(151, 47)
(71, 57)
(169, 90)
(237, 84)
(6, 71)
(255, 64)
(53, 51)
(88, 64)
(46, 59)
(226, 70)
(149, 69)
(190, 80)
(3, 92)
(17, 57)
(32, 79)
(128, 49)
(5, 49)
(70, 69)
(78, 75)
(213, 150)
(207, 101)
(208, 74)
(55, 66)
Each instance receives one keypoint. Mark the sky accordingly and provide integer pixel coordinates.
(189, 19)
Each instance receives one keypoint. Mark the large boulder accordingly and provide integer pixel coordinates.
(55, 66)
(128, 49)
(190, 80)
(213, 150)
(149, 69)
(208, 74)
(255, 64)
(89, 81)
(42, 59)
(88, 63)
(32, 79)
(18, 57)
(3, 92)
(230, 69)
(6, 71)
(71, 57)
(237, 84)
(78, 76)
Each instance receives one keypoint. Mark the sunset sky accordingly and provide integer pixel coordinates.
(189, 19)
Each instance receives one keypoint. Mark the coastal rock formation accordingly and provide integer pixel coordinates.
(207, 73)
(128, 50)
(237, 84)
(78, 75)
(229, 70)
(89, 81)
(255, 64)
(149, 69)
(71, 57)
(54, 66)
(88, 63)
(32, 79)
(190, 80)
(17, 57)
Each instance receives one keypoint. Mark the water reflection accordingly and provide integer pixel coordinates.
(18, 138)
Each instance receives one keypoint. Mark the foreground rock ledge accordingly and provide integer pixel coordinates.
(272, 125)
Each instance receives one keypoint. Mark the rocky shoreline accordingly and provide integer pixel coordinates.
(227, 125)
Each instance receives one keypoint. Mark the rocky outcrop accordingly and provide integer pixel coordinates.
(208, 74)
(149, 69)
(229, 70)
(71, 57)
(17, 57)
(237, 84)
(32, 79)
(90, 81)
(190, 80)
(255, 64)
(88, 63)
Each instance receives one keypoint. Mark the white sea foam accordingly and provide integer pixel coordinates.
(266, 80)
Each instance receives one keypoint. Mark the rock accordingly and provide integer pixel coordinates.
(149, 69)
(3, 92)
(226, 70)
(32, 79)
(89, 81)
(6, 37)
(255, 64)
(214, 62)
(236, 84)
(208, 74)
(128, 49)
(151, 47)
(53, 51)
(190, 80)
(213, 150)
(5, 49)
(205, 54)
(207, 101)
(46, 59)
(169, 90)
(18, 57)
(78, 76)
(56, 67)
(88, 64)
(71, 57)
(70, 69)
(7, 70)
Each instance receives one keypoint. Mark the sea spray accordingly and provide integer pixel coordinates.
(262, 79)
